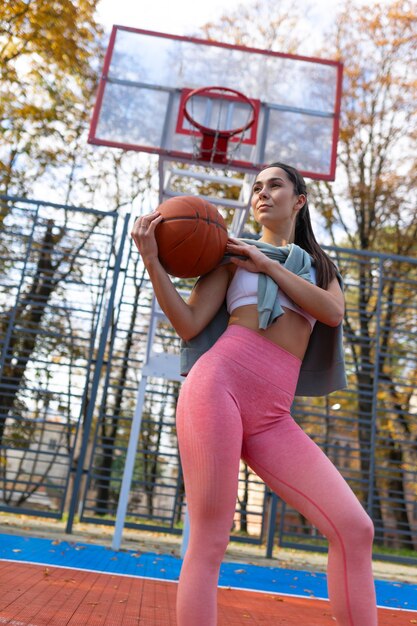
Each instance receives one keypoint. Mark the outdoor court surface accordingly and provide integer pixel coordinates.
(59, 583)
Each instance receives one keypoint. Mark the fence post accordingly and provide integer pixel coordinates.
(95, 382)
(273, 505)
(371, 478)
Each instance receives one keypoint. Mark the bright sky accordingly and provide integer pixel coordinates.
(182, 17)
(175, 16)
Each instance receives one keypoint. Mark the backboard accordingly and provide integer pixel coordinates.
(147, 78)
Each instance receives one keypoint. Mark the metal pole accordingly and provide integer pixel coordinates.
(271, 525)
(129, 465)
(185, 534)
(371, 477)
(87, 426)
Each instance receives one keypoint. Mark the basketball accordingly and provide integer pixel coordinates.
(191, 237)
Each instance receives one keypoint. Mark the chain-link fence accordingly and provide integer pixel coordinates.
(54, 274)
(76, 307)
(369, 430)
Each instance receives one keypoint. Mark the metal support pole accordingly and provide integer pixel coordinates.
(185, 534)
(371, 478)
(129, 465)
(163, 365)
(271, 525)
(87, 426)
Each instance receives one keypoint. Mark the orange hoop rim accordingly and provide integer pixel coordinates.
(207, 130)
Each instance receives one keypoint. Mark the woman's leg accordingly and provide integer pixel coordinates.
(301, 474)
(209, 431)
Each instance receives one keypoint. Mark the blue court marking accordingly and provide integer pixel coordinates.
(96, 558)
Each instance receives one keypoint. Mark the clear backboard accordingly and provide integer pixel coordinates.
(285, 107)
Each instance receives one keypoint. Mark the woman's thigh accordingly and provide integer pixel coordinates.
(295, 468)
(209, 430)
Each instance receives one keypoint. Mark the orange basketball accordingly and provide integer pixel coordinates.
(191, 237)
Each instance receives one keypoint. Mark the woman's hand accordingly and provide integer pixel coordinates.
(250, 257)
(143, 234)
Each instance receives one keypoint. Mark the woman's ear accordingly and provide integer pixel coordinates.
(302, 199)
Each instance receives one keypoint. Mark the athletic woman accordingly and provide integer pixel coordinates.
(235, 402)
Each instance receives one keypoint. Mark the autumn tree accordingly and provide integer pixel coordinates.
(371, 205)
(260, 24)
(48, 53)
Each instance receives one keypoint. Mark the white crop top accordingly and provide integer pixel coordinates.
(243, 290)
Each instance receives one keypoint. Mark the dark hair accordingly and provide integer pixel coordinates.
(304, 236)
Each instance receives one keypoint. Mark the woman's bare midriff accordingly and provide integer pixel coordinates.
(290, 331)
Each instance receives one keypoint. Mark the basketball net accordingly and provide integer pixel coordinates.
(215, 145)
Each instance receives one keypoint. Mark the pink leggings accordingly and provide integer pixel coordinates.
(235, 403)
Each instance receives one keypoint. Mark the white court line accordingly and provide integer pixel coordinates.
(170, 580)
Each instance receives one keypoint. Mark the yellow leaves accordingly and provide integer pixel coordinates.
(50, 29)
(327, 213)
(401, 16)
(374, 24)
(46, 75)
(353, 71)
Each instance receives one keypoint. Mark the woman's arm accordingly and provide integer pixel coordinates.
(188, 319)
(326, 305)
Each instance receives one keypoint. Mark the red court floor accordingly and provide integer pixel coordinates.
(36, 595)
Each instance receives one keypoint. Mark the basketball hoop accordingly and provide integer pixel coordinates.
(214, 144)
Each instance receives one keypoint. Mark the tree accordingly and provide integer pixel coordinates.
(260, 24)
(370, 207)
(370, 204)
(46, 83)
(49, 56)
(23, 323)
(51, 53)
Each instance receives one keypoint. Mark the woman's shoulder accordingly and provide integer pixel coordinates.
(221, 274)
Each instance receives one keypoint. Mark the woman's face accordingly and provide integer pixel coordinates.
(274, 201)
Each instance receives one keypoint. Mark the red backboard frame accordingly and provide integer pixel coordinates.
(180, 155)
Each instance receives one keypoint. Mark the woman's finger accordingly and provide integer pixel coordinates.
(144, 222)
(236, 242)
(155, 221)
